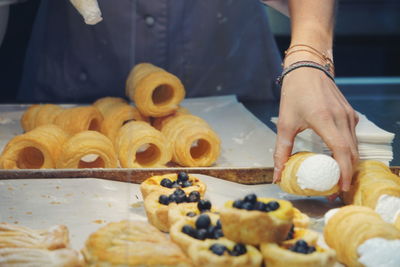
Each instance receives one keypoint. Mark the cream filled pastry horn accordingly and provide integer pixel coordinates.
(193, 142)
(36, 149)
(37, 115)
(78, 119)
(310, 174)
(87, 149)
(89, 9)
(361, 238)
(116, 111)
(138, 144)
(375, 186)
(154, 91)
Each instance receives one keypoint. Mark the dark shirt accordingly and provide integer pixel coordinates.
(216, 47)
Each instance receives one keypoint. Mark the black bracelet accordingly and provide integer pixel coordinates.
(307, 64)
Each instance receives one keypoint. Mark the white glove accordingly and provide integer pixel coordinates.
(89, 9)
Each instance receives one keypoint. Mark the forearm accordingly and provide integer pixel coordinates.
(312, 23)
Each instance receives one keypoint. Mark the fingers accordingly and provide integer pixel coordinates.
(283, 148)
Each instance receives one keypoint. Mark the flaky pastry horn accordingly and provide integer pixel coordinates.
(34, 257)
(193, 142)
(154, 91)
(89, 9)
(13, 236)
(159, 122)
(371, 180)
(116, 114)
(36, 149)
(103, 104)
(290, 177)
(138, 144)
(37, 115)
(87, 149)
(350, 227)
(78, 119)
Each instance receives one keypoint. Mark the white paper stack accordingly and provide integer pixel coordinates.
(373, 142)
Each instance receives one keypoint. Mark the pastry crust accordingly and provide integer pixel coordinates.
(288, 182)
(159, 122)
(132, 137)
(371, 180)
(36, 149)
(193, 142)
(153, 184)
(78, 119)
(116, 113)
(155, 92)
(280, 256)
(132, 243)
(300, 220)
(84, 144)
(13, 236)
(201, 255)
(37, 115)
(308, 235)
(34, 257)
(177, 212)
(184, 240)
(28, 118)
(255, 227)
(157, 214)
(351, 226)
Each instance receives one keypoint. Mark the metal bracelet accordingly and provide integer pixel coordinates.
(308, 64)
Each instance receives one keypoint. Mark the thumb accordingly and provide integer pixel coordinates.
(283, 149)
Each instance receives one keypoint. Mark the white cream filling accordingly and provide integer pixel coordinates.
(329, 214)
(89, 157)
(318, 172)
(388, 207)
(379, 252)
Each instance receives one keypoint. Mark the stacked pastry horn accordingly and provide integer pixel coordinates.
(110, 130)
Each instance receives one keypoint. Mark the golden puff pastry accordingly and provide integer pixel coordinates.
(104, 104)
(154, 91)
(276, 255)
(13, 236)
(224, 252)
(294, 170)
(194, 230)
(371, 180)
(87, 149)
(78, 119)
(34, 257)
(157, 208)
(138, 145)
(132, 243)
(350, 227)
(36, 149)
(193, 142)
(37, 115)
(167, 183)
(255, 220)
(159, 122)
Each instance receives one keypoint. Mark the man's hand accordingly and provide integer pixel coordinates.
(309, 99)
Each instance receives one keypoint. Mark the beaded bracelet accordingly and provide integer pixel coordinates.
(308, 64)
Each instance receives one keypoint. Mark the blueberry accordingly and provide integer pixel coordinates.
(291, 233)
(180, 198)
(203, 221)
(186, 184)
(166, 183)
(204, 205)
(210, 231)
(252, 198)
(179, 192)
(238, 204)
(310, 250)
(218, 233)
(189, 230)
(260, 206)
(191, 214)
(183, 176)
(175, 185)
(163, 199)
(218, 224)
(239, 249)
(172, 198)
(194, 196)
(201, 234)
(218, 249)
(300, 246)
(272, 205)
(301, 250)
(247, 206)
